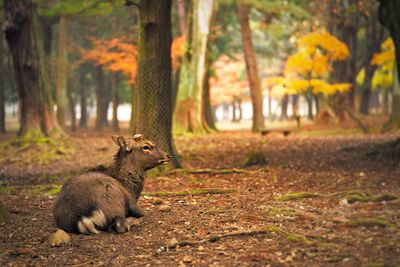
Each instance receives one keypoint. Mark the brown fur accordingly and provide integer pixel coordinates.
(87, 199)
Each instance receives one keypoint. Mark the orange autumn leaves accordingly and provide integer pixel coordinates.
(119, 55)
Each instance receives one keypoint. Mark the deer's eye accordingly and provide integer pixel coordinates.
(146, 148)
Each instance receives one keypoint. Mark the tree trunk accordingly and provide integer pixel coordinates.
(24, 38)
(182, 16)
(102, 100)
(71, 103)
(233, 105)
(2, 98)
(62, 68)
(115, 88)
(134, 108)
(389, 18)
(240, 109)
(208, 111)
(251, 67)
(154, 110)
(309, 99)
(189, 113)
(295, 106)
(83, 98)
(285, 102)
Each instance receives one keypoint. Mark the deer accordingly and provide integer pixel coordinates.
(94, 201)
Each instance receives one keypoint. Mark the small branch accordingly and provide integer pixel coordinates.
(215, 238)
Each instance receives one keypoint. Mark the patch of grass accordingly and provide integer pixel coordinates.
(280, 211)
(298, 195)
(294, 237)
(208, 191)
(38, 150)
(349, 193)
(48, 189)
(370, 222)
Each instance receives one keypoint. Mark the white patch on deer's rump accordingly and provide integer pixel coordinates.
(98, 218)
(86, 226)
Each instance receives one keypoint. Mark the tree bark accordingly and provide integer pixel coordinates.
(2, 86)
(285, 102)
(154, 110)
(102, 100)
(24, 38)
(71, 103)
(208, 111)
(251, 67)
(83, 100)
(189, 115)
(115, 87)
(62, 68)
(182, 16)
(389, 18)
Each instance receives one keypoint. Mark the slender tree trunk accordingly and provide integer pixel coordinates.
(22, 29)
(62, 67)
(182, 16)
(2, 98)
(385, 101)
(233, 105)
(115, 87)
(83, 99)
(208, 111)
(251, 66)
(154, 116)
(102, 100)
(309, 98)
(71, 103)
(295, 106)
(389, 18)
(240, 109)
(134, 108)
(189, 113)
(285, 102)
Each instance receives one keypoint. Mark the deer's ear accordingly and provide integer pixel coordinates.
(120, 141)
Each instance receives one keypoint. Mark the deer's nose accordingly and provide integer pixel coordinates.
(169, 156)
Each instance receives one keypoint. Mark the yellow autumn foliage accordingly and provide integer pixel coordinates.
(383, 76)
(305, 70)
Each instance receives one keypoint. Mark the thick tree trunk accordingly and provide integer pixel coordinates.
(115, 88)
(189, 113)
(154, 110)
(2, 98)
(389, 18)
(83, 100)
(251, 66)
(62, 68)
(102, 100)
(24, 38)
(134, 108)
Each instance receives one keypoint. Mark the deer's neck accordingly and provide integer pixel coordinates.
(131, 177)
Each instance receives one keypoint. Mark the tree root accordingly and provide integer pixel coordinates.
(208, 171)
(206, 191)
(263, 231)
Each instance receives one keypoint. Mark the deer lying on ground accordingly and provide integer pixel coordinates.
(94, 201)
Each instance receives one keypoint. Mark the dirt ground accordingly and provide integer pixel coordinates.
(351, 216)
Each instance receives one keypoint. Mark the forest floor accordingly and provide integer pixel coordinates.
(235, 216)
